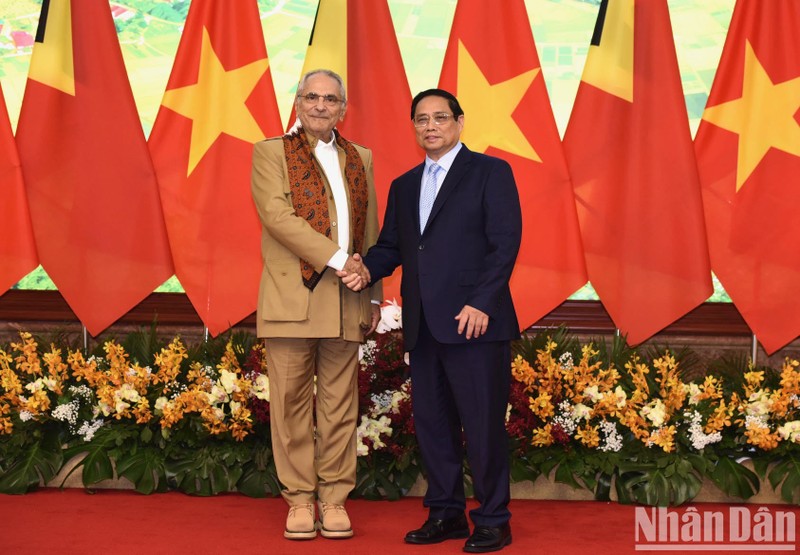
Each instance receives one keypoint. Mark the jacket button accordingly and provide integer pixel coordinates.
(333, 224)
(422, 247)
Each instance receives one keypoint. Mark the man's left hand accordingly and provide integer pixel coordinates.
(474, 321)
(375, 318)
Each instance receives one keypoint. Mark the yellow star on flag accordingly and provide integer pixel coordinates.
(490, 108)
(216, 103)
(763, 117)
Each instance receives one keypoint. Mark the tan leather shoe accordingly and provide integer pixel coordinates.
(335, 524)
(300, 523)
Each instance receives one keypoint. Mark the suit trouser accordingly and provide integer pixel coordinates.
(313, 462)
(454, 387)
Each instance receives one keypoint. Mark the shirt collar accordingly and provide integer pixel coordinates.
(314, 142)
(445, 161)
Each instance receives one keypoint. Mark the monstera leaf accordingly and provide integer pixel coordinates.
(39, 463)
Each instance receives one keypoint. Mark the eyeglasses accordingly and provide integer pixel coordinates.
(330, 100)
(439, 118)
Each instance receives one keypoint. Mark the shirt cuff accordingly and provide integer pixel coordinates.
(338, 260)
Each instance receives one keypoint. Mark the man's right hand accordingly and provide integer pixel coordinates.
(354, 275)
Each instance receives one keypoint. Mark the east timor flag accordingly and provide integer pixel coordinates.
(356, 39)
(92, 191)
(17, 248)
(633, 169)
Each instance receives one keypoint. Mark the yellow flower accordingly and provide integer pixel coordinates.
(542, 405)
(664, 437)
(754, 378)
(542, 437)
(761, 437)
(589, 436)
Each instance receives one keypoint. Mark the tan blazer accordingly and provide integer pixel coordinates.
(286, 307)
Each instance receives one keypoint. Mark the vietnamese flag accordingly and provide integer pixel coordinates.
(492, 67)
(92, 191)
(17, 248)
(219, 102)
(356, 39)
(632, 164)
(748, 152)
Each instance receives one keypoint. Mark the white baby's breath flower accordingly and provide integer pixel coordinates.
(88, 429)
(612, 440)
(565, 361)
(67, 412)
(697, 435)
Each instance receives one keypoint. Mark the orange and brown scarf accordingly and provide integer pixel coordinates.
(309, 194)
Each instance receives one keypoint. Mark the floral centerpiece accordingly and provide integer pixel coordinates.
(168, 418)
(649, 426)
(600, 421)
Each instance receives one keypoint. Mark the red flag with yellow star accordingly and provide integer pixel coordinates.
(378, 97)
(748, 151)
(219, 102)
(91, 188)
(631, 159)
(17, 248)
(492, 67)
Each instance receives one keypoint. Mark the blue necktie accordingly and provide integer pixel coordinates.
(427, 195)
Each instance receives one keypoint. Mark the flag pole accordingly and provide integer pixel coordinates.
(205, 334)
(85, 334)
(754, 349)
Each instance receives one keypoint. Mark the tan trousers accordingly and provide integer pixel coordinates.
(313, 463)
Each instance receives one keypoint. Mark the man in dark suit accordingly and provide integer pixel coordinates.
(454, 224)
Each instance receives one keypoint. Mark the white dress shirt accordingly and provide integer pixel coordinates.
(328, 156)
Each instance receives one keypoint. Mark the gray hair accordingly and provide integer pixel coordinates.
(332, 74)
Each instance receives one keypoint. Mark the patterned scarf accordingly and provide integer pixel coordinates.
(309, 195)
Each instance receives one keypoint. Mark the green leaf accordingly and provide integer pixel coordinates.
(206, 471)
(40, 463)
(256, 482)
(734, 479)
(786, 474)
(602, 489)
(145, 468)
(564, 475)
(653, 487)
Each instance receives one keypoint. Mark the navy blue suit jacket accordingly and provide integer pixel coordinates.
(464, 256)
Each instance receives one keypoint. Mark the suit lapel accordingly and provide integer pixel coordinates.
(451, 180)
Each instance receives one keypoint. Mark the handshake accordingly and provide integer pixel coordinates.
(355, 275)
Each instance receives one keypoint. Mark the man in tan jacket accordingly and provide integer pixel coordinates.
(315, 196)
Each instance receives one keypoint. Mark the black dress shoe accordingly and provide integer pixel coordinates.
(488, 538)
(437, 530)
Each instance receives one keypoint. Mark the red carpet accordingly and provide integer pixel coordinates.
(123, 522)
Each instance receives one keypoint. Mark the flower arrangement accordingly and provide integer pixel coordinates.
(643, 428)
(596, 416)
